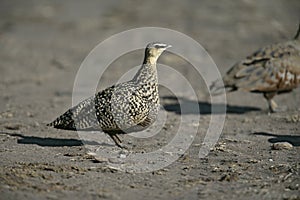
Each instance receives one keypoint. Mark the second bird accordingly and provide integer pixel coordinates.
(122, 108)
(271, 70)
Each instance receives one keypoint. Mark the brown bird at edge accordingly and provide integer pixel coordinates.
(271, 70)
(122, 108)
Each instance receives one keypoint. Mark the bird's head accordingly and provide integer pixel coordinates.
(154, 50)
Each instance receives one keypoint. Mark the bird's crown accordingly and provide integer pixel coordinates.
(158, 45)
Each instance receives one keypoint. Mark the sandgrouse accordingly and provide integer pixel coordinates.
(122, 108)
(271, 70)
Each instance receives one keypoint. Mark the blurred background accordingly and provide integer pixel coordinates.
(44, 42)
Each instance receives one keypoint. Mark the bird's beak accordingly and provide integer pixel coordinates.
(168, 46)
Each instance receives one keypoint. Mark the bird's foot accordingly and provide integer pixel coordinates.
(280, 109)
(274, 108)
(122, 146)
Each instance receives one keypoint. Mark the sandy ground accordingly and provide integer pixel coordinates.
(42, 46)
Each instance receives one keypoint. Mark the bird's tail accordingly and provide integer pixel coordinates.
(80, 117)
(65, 121)
(218, 87)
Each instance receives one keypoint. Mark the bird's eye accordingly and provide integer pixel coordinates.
(160, 46)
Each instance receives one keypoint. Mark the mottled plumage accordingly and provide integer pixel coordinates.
(271, 70)
(121, 108)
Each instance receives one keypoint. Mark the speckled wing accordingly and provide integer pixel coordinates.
(114, 109)
(125, 110)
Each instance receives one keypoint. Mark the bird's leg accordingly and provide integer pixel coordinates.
(117, 140)
(273, 107)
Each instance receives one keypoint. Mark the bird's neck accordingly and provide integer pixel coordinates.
(150, 60)
(148, 72)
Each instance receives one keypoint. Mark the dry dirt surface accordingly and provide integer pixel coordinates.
(42, 44)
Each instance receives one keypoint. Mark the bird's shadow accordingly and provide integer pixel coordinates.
(292, 139)
(180, 105)
(49, 142)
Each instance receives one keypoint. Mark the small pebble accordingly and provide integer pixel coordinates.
(122, 156)
(282, 145)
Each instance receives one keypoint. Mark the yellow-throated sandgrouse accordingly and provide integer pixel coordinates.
(271, 70)
(121, 108)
